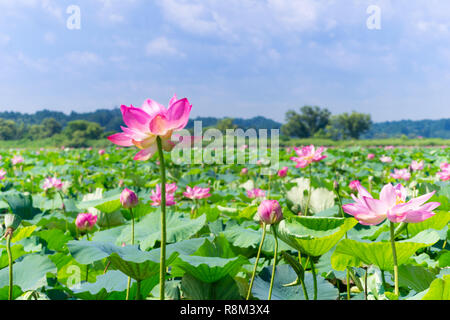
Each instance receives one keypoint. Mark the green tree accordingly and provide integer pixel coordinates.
(352, 125)
(51, 127)
(310, 121)
(225, 124)
(79, 131)
(8, 129)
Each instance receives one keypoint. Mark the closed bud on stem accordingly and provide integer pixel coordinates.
(12, 221)
(270, 212)
(128, 199)
(336, 185)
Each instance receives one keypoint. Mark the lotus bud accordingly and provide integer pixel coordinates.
(336, 185)
(128, 199)
(244, 171)
(270, 212)
(12, 221)
(85, 221)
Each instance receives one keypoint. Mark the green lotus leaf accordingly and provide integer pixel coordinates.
(284, 274)
(313, 236)
(439, 289)
(380, 253)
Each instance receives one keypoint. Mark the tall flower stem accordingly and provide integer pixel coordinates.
(302, 282)
(347, 275)
(10, 262)
(87, 266)
(313, 270)
(64, 209)
(162, 270)
(132, 243)
(256, 262)
(309, 191)
(275, 253)
(394, 256)
(138, 290)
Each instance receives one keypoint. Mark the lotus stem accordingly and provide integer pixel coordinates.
(365, 284)
(302, 282)
(162, 270)
(132, 243)
(9, 232)
(138, 290)
(309, 191)
(256, 262)
(313, 270)
(347, 275)
(275, 253)
(394, 256)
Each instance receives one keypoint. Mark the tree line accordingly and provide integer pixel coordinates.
(313, 121)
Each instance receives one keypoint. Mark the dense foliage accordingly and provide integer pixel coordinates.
(213, 242)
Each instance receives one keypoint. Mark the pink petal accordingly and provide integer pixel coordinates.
(159, 125)
(152, 108)
(136, 119)
(178, 114)
(121, 139)
(388, 195)
(146, 154)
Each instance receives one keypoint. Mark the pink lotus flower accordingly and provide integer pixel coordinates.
(151, 120)
(283, 172)
(288, 150)
(101, 152)
(386, 159)
(171, 187)
(196, 193)
(401, 174)
(270, 212)
(389, 148)
(156, 197)
(17, 159)
(370, 156)
(391, 205)
(128, 199)
(2, 174)
(416, 166)
(308, 155)
(52, 183)
(444, 174)
(354, 184)
(256, 193)
(85, 221)
(244, 171)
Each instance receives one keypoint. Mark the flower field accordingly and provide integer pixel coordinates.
(354, 223)
(72, 233)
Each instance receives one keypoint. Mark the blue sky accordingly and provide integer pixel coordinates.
(239, 58)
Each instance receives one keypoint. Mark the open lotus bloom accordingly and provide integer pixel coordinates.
(392, 205)
(444, 174)
(416, 166)
(401, 174)
(156, 196)
(145, 124)
(256, 193)
(386, 159)
(196, 192)
(308, 155)
(50, 183)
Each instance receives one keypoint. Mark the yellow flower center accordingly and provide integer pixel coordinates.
(399, 201)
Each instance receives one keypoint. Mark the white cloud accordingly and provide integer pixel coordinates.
(83, 58)
(4, 39)
(49, 37)
(161, 46)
